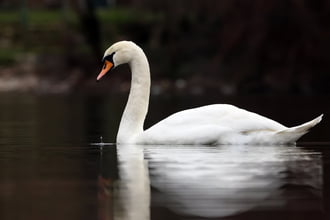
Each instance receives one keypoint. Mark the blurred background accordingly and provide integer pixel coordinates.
(230, 47)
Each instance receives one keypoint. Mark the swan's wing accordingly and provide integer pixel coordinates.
(223, 115)
(205, 124)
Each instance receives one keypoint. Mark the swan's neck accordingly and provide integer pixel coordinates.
(131, 124)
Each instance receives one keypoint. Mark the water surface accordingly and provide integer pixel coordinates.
(53, 167)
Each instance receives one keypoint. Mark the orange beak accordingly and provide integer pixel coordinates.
(106, 68)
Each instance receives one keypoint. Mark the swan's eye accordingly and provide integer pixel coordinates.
(109, 57)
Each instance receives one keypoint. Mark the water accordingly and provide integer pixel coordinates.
(55, 165)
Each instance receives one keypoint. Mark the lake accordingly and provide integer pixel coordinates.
(54, 165)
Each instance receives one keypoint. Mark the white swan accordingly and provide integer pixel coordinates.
(211, 124)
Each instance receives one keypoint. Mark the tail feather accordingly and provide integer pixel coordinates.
(292, 134)
(304, 128)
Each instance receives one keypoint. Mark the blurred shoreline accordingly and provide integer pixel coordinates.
(238, 48)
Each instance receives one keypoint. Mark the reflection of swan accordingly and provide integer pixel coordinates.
(216, 181)
(134, 186)
(212, 124)
(228, 180)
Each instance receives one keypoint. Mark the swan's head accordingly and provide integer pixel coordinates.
(117, 54)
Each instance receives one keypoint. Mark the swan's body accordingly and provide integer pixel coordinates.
(212, 124)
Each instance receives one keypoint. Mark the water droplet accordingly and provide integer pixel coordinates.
(101, 143)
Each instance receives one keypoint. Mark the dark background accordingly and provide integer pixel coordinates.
(225, 47)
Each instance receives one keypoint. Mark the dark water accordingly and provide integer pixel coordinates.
(52, 165)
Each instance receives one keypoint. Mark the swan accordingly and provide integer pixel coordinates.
(207, 125)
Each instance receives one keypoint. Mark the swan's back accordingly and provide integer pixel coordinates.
(212, 124)
(221, 115)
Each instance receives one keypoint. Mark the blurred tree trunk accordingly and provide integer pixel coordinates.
(90, 29)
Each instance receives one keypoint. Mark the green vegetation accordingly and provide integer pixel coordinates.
(41, 26)
(122, 16)
(8, 56)
(40, 18)
(53, 30)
